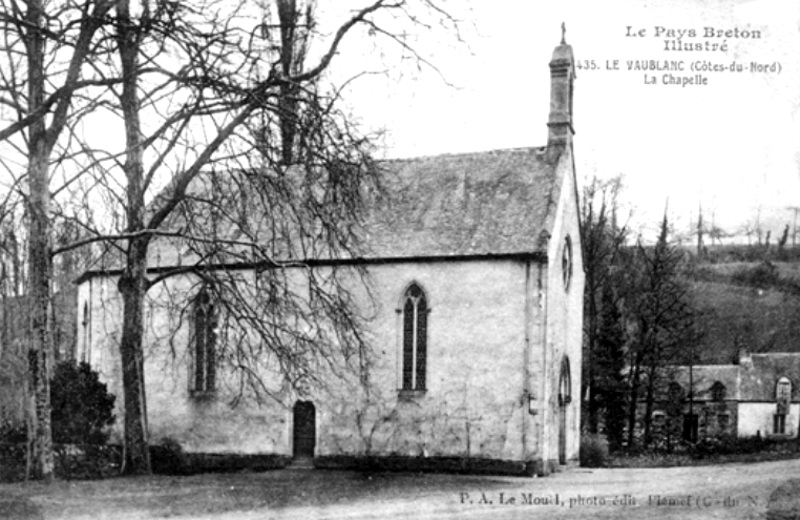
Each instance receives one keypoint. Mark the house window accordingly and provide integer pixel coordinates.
(566, 262)
(204, 321)
(717, 391)
(415, 338)
(783, 390)
(779, 424)
(723, 420)
(783, 395)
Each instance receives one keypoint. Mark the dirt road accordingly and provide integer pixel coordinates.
(724, 491)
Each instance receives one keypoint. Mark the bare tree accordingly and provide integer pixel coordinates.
(238, 106)
(700, 231)
(784, 238)
(794, 210)
(602, 241)
(662, 321)
(716, 234)
(46, 45)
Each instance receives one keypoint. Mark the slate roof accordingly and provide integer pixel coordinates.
(489, 203)
(753, 379)
(704, 376)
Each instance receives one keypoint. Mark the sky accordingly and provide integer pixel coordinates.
(730, 143)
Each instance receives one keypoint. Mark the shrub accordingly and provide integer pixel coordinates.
(594, 451)
(729, 445)
(762, 276)
(82, 408)
(167, 457)
(12, 462)
(13, 432)
(90, 461)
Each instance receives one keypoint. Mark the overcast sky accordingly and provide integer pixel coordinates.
(732, 143)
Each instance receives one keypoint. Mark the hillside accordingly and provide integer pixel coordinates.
(749, 305)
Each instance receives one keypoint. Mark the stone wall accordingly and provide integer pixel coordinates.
(756, 418)
(473, 405)
(493, 362)
(564, 327)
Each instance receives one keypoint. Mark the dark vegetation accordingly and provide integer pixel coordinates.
(710, 451)
(594, 451)
(82, 407)
(168, 458)
(82, 413)
(651, 306)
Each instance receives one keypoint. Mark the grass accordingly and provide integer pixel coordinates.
(765, 320)
(783, 503)
(217, 493)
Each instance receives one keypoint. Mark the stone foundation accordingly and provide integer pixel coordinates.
(476, 466)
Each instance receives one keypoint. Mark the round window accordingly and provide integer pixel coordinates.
(566, 262)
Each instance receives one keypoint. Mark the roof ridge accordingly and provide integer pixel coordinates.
(466, 154)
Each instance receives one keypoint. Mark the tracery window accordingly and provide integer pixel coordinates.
(86, 340)
(565, 384)
(204, 343)
(415, 338)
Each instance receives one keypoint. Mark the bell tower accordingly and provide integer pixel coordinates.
(562, 77)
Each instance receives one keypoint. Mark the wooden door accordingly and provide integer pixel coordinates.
(305, 429)
(562, 433)
(564, 398)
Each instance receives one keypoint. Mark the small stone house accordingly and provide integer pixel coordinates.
(476, 332)
(756, 397)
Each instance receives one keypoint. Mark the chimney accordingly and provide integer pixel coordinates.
(744, 356)
(562, 75)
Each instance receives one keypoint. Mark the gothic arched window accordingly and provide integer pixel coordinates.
(85, 331)
(415, 338)
(204, 343)
(565, 384)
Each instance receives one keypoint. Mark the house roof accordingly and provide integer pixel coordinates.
(760, 374)
(488, 203)
(485, 204)
(753, 379)
(703, 378)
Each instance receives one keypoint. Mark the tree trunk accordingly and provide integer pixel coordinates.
(40, 346)
(132, 286)
(634, 397)
(648, 409)
(133, 282)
